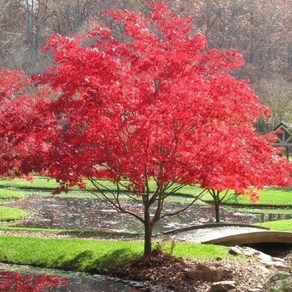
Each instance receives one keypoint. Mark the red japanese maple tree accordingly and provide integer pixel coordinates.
(151, 112)
(22, 113)
(13, 110)
(244, 163)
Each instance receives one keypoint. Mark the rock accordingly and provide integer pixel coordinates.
(278, 259)
(222, 286)
(203, 272)
(235, 250)
(264, 269)
(267, 260)
(248, 251)
(209, 274)
(213, 276)
(281, 266)
(192, 274)
(280, 282)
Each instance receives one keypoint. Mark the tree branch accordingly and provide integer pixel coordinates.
(185, 208)
(116, 203)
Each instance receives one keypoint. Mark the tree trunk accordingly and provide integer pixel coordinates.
(147, 232)
(147, 239)
(217, 214)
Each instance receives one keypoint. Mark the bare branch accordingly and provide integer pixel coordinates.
(185, 208)
(116, 203)
(224, 196)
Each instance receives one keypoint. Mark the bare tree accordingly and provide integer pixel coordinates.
(276, 94)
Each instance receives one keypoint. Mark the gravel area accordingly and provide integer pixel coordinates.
(164, 273)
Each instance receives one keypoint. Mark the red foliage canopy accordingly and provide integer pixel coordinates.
(20, 123)
(157, 104)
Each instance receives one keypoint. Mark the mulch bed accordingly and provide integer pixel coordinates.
(163, 272)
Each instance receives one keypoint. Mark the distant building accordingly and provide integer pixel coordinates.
(284, 140)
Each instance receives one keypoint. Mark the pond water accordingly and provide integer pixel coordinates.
(28, 279)
(91, 214)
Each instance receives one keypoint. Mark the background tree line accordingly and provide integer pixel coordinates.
(259, 29)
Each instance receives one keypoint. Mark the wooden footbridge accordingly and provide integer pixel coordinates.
(254, 237)
(231, 234)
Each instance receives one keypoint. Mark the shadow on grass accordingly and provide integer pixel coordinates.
(87, 260)
(115, 258)
(78, 261)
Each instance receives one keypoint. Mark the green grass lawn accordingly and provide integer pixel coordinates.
(11, 214)
(272, 196)
(281, 225)
(90, 255)
(42, 186)
(99, 255)
(46, 183)
(37, 182)
(269, 196)
(9, 194)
